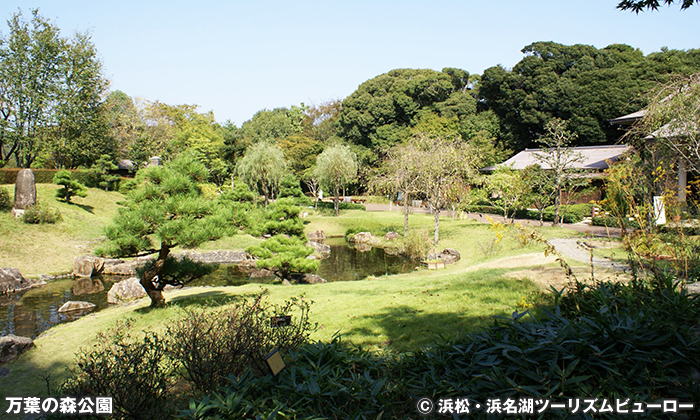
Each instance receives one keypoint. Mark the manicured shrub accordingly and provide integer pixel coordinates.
(70, 188)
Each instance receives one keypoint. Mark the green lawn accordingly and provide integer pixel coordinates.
(51, 248)
(399, 313)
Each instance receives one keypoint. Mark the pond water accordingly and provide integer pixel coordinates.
(30, 313)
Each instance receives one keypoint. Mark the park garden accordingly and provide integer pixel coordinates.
(514, 317)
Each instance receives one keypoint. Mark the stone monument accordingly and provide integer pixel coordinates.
(25, 192)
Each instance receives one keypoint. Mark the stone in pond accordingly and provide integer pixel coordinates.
(11, 281)
(361, 238)
(73, 305)
(322, 249)
(317, 236)
(87, 266)
(11, 346)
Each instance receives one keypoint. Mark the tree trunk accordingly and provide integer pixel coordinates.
(437, 226)
(337, 198)
(405, 214)
(156, 295)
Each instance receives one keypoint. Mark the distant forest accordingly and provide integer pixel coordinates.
(65, 117)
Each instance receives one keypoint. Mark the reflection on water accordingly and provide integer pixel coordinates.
(34, 311)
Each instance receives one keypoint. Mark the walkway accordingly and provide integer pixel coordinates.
(596, 231)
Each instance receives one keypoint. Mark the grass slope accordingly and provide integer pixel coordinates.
(51, 248)
(400, 313)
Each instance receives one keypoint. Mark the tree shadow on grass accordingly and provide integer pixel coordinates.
(407, 328)
(85, 207)
(212, 298)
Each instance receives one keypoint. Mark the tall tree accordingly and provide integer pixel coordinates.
(558, 158)
(579, 83)
(336, 167)
(397, 173)
(30, 59)
(441, 162)
(80, 134)
(262, 167)
(381, 112)
(166, 210)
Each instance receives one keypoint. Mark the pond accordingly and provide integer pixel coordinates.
(32, 312)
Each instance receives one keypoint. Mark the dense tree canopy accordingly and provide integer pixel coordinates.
(579, 83)
(51, 89)
(381, 112)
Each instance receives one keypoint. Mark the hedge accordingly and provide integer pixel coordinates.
(571, 213)
(45, 176)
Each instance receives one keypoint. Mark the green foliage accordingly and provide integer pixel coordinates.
(416, 244)
(70, 188)
(285, 256)
(126, 186)
(209, 344)
(564, 81)
(262, 167)
(290, 187)
(640, 5)
(611, 339)
(134, 371)
(240, 193)
(167, 208)
(52, 89)
(148, 373)
(6, 202)
(41, 213)
(336, 167)
(100, 173)
(382, 111)
(282, 218)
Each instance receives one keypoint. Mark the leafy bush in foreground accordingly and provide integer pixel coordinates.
(609, 341)
(148, 374)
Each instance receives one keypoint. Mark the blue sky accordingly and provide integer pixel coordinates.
(238, 57)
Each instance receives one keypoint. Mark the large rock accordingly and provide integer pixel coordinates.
(126, 290)
(25, 189)
(310, 279)
(362, 238)
(321, 249)
(72, 306)
(449, 256)
(11, 281)
(11, 346)
(391, 236)
(127, 268)
(317, 236)
(88, 266)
